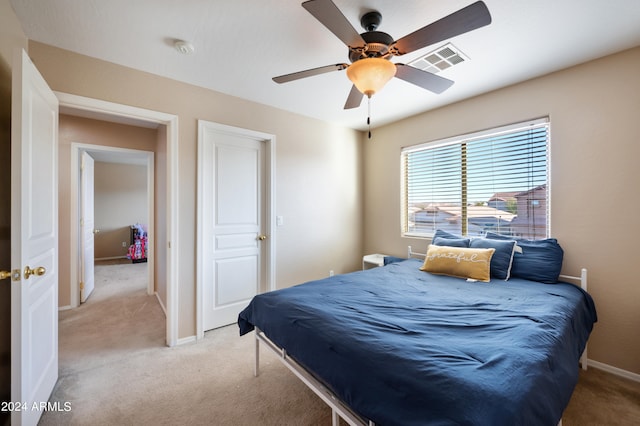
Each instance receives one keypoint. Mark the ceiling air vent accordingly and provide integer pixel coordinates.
(440, 59)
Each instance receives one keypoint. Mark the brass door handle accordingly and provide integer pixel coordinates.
(39, 271)
(262, 237)
(14, 275)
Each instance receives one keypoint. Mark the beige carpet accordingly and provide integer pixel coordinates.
(115, 370)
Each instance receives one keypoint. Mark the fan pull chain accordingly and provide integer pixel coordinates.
(369, 114)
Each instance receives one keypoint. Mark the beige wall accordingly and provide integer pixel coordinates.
(120, 201)
(11, 37)
(317, 177)
(594, 181)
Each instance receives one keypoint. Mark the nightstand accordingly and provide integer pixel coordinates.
(372, 260)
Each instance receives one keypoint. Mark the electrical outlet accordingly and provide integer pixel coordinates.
(331, 273)
(124, 244)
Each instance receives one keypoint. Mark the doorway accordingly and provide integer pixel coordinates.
(120, 195)
(166, 239)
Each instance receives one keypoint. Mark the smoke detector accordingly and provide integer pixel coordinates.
(184, 47)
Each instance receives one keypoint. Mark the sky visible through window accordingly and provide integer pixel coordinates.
(494, 165)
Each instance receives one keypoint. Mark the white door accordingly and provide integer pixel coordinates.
(232, 224)
(34, 241)
(87, 225)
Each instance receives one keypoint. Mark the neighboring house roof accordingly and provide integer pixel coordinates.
(479, 211)
(529, 191)
(504, 196)
(472, 211)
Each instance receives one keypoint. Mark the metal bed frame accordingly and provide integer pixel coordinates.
(338, 408)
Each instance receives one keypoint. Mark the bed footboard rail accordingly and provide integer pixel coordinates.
(338, 408)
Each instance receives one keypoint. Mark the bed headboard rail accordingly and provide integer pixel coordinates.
(411, 253)
(582, 279)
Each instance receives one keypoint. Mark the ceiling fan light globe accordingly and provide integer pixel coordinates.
(370, 75)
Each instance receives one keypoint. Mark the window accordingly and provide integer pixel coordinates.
(495, 180)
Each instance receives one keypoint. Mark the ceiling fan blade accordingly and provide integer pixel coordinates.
(309, 73)
(355, 98)
(464, 20)
(424, 79)
(330, 16)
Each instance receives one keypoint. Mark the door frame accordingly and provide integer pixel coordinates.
(269, 209)
(86, 199)
(76, 157)
(126, 114)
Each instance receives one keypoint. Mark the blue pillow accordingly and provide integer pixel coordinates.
(502, 258)
(445, 234)
(392, 259)
(451, 242)
(540, 260)
(452, 239)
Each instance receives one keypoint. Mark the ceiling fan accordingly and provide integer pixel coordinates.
(371, 51)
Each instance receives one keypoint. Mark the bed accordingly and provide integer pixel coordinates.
(396, 345)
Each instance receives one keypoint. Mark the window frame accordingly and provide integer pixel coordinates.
(465, 139)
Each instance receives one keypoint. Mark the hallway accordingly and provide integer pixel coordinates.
(119, 319)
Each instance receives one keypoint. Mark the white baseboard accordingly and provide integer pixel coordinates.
(64, 308)
(110, 258)
(185, 340)
(614, 370)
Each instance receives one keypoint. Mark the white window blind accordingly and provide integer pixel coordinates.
(494, 180)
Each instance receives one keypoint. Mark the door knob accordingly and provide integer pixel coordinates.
(262, 237)
(14, 275)
(40, 270)
(96, 231)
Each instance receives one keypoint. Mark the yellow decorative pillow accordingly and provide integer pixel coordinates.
(459, 262)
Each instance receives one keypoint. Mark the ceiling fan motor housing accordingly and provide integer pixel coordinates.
(377, 46)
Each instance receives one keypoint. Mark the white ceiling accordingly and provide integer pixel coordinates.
(241, 45)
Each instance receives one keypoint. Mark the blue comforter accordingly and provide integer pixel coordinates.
(405, 347)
